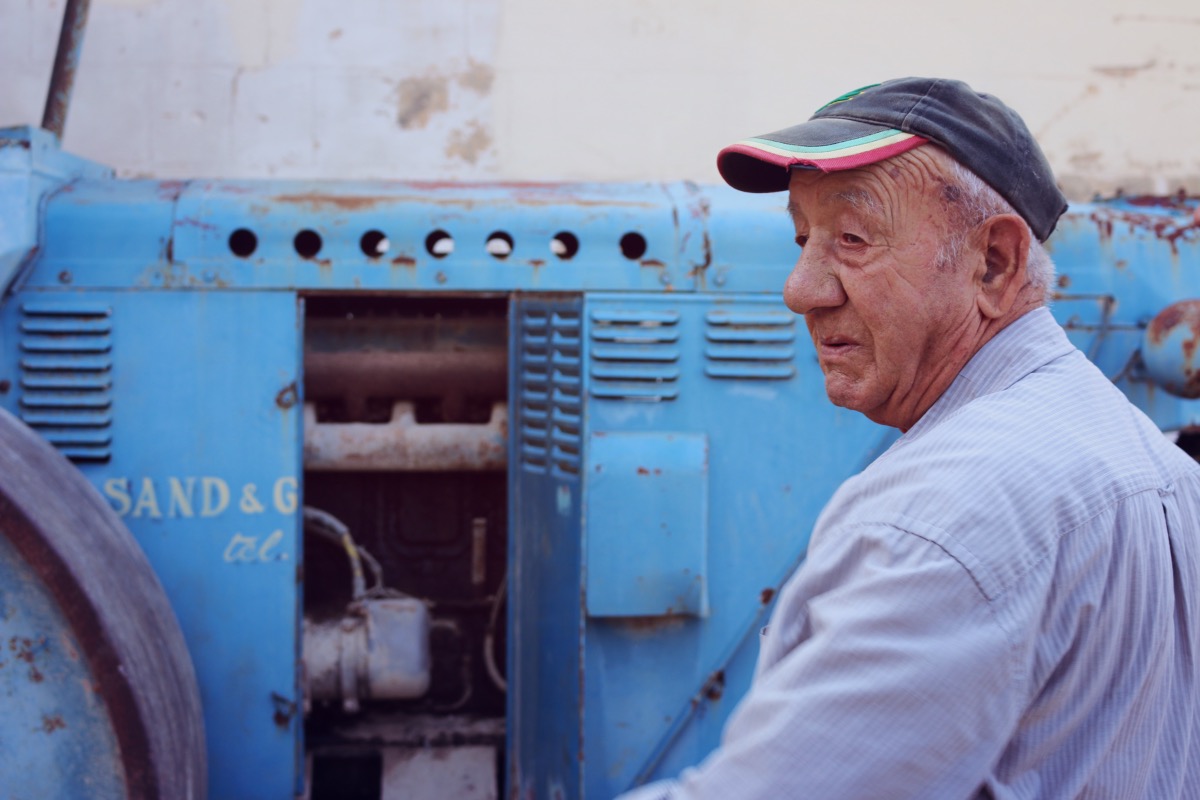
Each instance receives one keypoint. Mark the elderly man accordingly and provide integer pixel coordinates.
(1006, 604)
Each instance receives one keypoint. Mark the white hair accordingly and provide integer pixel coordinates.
(973, 202)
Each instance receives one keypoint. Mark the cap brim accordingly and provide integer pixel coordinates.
(763, 164)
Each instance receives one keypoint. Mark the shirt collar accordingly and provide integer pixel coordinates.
(1027, 344)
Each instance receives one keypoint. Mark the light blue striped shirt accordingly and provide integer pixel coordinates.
(1006, 604)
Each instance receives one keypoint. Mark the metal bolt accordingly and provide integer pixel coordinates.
(64, 277)
(440, 277)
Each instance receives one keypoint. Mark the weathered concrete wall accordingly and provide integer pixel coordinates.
(578, 89)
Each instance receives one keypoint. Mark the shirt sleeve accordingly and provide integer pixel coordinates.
(885, 673)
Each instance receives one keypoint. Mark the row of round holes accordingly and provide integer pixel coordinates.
(439, 244)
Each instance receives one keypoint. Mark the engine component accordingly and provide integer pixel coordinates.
(405, 444)
(378, 651)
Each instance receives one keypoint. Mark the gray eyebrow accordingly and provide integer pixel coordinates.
(859, 198)
(855, 198)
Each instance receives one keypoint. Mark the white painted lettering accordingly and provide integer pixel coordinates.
(214, 495)
(117, 490)
(249, 503)
(240, 549)
(285, 495)
(182, 494)
(147, 501)
(265, 552)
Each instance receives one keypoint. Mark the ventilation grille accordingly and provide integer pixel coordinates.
(750, 345)
(66, 377)
(551, 380)
(635, 355)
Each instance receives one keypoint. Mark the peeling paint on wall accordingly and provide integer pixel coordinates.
(505, 89)
(470, 144)
(419, 99)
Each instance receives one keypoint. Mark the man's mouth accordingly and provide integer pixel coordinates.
(832, 347)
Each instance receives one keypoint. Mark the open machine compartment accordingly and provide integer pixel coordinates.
(405, 460)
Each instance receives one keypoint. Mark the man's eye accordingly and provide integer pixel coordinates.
(850, 238)
(802, 239)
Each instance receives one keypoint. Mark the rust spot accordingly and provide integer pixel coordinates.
(35, 675)
(643, 471)
(195, 223)
(287, 397)
(1169, 229)
(318, 201)
(1166, 320)
(170, 190)
(537, 262)
(1064, 281)
(653, 262)
(285, 709)
(1177, 201)
(766, 596)
(52, 724)
(5, 386)
(404, 261)
(170, 249)
(715, 686)
(64, 277)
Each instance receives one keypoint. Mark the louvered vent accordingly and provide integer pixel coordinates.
(551, 380)
(635, 354)
(750, 344)
(66, 376)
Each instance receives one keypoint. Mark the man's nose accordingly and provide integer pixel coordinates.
(813, 283)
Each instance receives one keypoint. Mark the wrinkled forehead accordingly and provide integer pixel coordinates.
(911, 180)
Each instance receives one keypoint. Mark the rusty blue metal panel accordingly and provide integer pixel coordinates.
(740, 373)
(374, 236)
(31, 166)
(646, 524)
(545, 618)
(205, 472)
(1120, 263)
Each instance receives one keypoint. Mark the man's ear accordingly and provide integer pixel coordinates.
(1004, 240)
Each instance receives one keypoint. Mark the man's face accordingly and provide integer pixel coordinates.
(888, 321)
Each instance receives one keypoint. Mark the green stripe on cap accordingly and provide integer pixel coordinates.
(847, 96)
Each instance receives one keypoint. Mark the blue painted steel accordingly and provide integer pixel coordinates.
(686, 339)
(54, 725)
(31, 166)
(545, 616)
(748, 380)
(205, 472)
(646, 524)
(1120, 263)
(1169, 349)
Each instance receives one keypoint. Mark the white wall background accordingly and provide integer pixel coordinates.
(590, 89)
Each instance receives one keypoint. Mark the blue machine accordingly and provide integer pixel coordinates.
(484, 488)
(371, 490)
